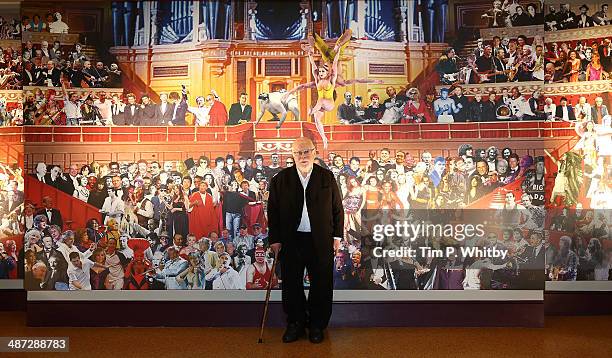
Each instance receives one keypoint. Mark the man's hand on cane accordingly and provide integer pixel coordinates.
(276, 248)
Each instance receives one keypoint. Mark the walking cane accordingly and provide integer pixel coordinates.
(267, 303)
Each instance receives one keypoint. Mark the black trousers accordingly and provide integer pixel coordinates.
(294, 258)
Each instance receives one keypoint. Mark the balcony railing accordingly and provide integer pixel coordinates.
(578, 34)
(267, 131)
(602, 88)
(58, 90)
(526, 88)
(38, 37)
(512, 32)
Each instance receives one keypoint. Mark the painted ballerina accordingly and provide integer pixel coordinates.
(588, 141)
(569, 177)
(326, 77)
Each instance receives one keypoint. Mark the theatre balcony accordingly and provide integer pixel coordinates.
(512, 32)
(38, 37)
(267, 131)
(578, 34)
(526, 88)
(53, 143)
(587, 87)
(58, 90)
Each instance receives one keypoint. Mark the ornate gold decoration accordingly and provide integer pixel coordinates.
(578, 87)
(281, 147)
(512, 32)
(485, 88)
(12, 96)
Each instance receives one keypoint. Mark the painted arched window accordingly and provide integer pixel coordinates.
(278, 20)
(177, 20)
(380, 20)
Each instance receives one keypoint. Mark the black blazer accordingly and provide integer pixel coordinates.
(18, 201)
(117, 118)
(52, 279)
(39, 77)
(570, 112)
(597, 117)
(587, 23)
(236, 114)
(164, 118)
(539, 260)
(324, 203)
(251, 194)
(28, 77)
(40, 256)
(128, 118)
(54, 77)
(148, 115)
(56, 217)
(181, 112)
(58, 183)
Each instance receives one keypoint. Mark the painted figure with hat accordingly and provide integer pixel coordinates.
(583, 20)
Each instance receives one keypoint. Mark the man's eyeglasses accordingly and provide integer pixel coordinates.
(303, 152)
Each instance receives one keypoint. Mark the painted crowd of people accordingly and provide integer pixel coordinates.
(172, 220)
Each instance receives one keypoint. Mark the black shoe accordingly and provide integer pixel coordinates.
(315, 335)
(293, 332)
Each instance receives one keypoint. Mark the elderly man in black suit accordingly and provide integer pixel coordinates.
(306, 221)
(240, 112)
(583, 20)
(51, 75)
(54, 217)
(49, 251)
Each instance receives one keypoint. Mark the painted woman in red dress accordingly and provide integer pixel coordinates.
(203, 217)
